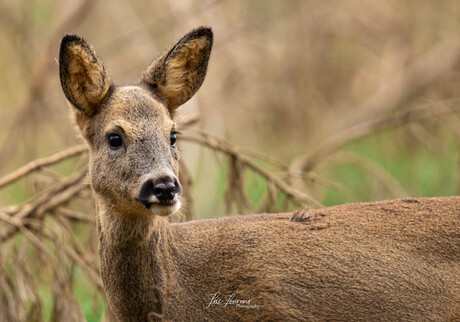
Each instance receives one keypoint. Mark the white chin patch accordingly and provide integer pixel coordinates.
(165, 210)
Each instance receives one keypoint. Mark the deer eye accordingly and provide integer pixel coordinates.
(114, 140)
(173, 138)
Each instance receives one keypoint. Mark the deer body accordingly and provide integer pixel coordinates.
(383, 261)
(390, 260)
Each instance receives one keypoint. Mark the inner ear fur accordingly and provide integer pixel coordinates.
(84, 79)
(176, 75)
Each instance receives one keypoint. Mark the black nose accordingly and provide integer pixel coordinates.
(164, 189)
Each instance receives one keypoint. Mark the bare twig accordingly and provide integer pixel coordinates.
(235, 193)
(263, 157)
(297, 196)
(74, 215)
(77, 253)
(60, 194)
(19, 225)
(40, 163)
(313, 178)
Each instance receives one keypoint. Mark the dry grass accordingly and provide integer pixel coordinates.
(301, 81)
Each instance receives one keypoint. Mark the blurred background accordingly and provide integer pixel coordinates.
(306, 103)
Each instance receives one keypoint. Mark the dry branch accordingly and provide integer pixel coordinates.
(60, 194)
(40, 163)
(235, 192)
(298, 197)
(312, 177)
(74, 215)
(78, 254)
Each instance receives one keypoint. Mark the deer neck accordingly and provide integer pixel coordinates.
(137, 265)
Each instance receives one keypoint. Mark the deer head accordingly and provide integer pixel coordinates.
(130, 130)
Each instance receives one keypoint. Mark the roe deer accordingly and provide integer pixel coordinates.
(391, 260)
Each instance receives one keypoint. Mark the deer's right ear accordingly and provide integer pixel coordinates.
(84, 79)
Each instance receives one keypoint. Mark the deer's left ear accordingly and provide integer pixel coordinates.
(176, 75)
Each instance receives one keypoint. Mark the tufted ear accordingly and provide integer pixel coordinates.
(84, 79)
(176, 75)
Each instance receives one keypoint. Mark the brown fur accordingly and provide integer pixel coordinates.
(395, 260)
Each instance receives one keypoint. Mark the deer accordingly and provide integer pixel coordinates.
(392, 260)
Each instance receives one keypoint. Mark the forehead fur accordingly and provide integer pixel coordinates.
(136, 103)
(131, 108)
